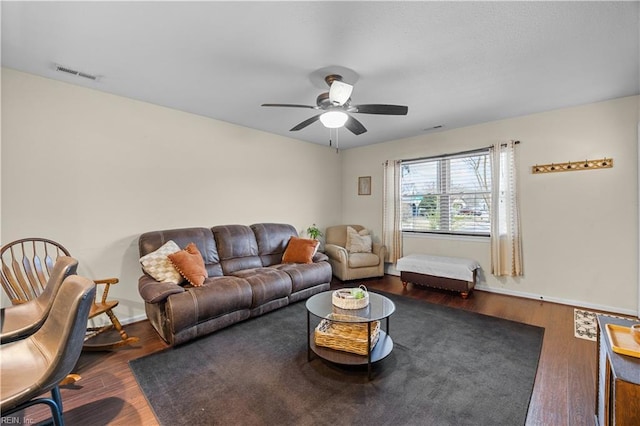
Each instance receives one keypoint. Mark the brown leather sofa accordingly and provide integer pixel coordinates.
(246, 279)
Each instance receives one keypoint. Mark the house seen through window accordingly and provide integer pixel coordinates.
(447, 194)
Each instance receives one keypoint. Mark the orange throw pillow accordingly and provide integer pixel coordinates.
(190, 264)
(300, 250)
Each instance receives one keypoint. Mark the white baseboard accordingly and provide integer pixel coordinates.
(508, 292)
(576, 303)
(102, 320)
(137, 318)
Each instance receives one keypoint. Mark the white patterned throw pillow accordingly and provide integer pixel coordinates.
(158, 265)
(358, 242)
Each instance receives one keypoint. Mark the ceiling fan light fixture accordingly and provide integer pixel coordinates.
(334, 119)
(339, 92)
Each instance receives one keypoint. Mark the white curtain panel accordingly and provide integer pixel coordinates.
(506, 245)
(392, 213)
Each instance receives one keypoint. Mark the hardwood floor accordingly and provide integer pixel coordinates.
(564, 391)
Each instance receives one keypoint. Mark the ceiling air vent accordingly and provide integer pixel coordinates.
(68, 70)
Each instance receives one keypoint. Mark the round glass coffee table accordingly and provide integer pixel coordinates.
(379, 308)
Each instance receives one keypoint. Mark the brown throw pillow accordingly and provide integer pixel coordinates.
(190, 264)
(300, 250)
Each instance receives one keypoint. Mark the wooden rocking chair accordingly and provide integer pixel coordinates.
(26, 266)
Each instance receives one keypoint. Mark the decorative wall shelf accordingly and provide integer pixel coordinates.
(603, 163)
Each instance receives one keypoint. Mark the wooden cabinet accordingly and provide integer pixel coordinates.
(618, 381)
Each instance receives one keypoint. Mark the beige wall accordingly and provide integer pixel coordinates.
(93, 171)
(580, 229)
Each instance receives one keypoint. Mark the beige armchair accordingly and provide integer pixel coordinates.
(352, 266)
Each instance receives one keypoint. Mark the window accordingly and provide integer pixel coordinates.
(447, 194)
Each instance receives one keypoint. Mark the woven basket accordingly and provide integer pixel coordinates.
(346, 336)
(342, 299)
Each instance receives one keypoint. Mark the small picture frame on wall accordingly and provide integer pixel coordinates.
(364, 185)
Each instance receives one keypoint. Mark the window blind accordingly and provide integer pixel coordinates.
(448, 194)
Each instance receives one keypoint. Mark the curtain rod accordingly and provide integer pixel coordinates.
(514, 142)
(456, 153)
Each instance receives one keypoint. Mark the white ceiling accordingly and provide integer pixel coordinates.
(452, 63)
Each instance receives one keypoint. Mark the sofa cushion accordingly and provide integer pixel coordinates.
(190, 264)
(216, 297)
(202, 237)
(358, 241)
(362, 260)
(272, 239)
(305, 276)
(237, 248)
(300, 250)
(267, 284)
(158, 265)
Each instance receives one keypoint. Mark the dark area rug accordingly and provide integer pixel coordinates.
(448, 367)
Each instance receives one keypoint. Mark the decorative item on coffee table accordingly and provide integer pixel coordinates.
(346, 336)
(351, 298)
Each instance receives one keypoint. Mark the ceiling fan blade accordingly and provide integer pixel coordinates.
(305, 123)
(289, 106)
(381, 109)
(339, 92)
(354, 126)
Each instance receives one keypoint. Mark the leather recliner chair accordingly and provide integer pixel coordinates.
(36, 364)
(20, 321)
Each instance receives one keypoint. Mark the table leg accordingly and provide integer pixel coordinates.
(369, 349)
(308, 338)
(388, 327)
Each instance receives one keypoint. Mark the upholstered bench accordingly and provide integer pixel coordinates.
(449, 273)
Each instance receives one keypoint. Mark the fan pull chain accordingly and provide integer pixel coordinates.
(331, 140)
